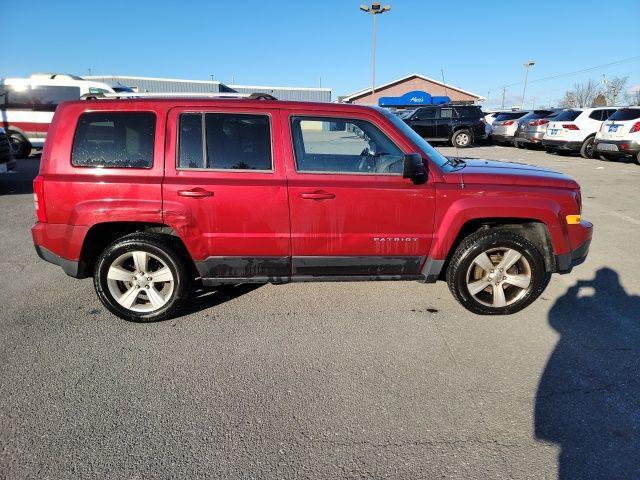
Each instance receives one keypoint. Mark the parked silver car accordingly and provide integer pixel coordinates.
(531, 127)
(505, 125)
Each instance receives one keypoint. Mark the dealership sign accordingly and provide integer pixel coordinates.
(415, 97)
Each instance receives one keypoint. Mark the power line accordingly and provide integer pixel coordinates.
(577, 72)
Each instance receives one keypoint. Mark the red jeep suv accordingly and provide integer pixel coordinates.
(150, 195)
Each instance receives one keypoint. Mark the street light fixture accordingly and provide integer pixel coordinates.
(375, 9)
(527, 65)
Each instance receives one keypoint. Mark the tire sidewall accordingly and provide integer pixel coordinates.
(470, 250)
(23, 146)
(585, 146)
(111, 254)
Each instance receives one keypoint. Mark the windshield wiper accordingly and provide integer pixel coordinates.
(455, 161)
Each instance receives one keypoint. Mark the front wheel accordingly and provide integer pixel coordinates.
(142, 277)
(461, 139)
(496, 272)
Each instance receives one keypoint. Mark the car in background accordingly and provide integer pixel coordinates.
(531, 127)
(7, 162)
(27, 105)
(490, 117)
(619, 135)
(459, 125)
(505, 125)
(574, 130)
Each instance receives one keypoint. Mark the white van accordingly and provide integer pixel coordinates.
(27, 105)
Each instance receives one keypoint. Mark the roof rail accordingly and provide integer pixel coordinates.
(125, 95)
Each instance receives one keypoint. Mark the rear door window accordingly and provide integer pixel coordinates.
(426, 114)
(114, 140)
(447, 113)
(225, 141)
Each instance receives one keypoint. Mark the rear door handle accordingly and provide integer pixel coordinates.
(195, 193)
(319, 195)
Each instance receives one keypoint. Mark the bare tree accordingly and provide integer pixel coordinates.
(614, 89)
(586, 93)
(633, 96)
(569, 100)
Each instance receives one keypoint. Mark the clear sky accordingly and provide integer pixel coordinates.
(479, 45)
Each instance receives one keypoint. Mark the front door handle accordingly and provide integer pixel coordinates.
(195, 193)
(319, 195)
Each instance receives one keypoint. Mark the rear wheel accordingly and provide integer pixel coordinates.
(20, 146)
(496, 272)
(461, 139)
(587, 149)
(142, 278)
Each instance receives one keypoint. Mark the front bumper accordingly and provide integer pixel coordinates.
(623, 147)
(571, 146)
(581, 235)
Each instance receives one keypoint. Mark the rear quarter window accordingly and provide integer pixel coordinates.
(114, 140)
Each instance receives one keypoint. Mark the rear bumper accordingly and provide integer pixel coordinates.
(572, 146)
(581, 236)
(502, 138)
(61, 245)
(70, 267)
(624, 147)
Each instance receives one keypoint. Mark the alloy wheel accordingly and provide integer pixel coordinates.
(498, 277)
(140, 281)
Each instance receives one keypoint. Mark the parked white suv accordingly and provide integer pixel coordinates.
(574, 130)
(619, 136)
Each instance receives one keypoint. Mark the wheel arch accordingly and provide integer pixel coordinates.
(102, 234)
(534, 230)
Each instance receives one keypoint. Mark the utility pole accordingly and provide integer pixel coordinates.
(504, 92)
(527, 65)
(375, 9)
(89, 71)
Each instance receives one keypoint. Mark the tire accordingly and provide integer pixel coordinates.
(150, 300)
(465, 271)
(587, 150)
(637, 158)
(20, 146)
(462, 139)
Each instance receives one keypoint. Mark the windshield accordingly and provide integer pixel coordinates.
(435, 156)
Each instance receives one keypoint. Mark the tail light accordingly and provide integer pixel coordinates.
(537, 123)
(635, 128)
(38, 198)
(570, 126)
(507, 123)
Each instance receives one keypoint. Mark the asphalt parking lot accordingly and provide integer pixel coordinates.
(329, 380)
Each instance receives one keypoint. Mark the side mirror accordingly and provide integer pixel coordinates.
(414, 168)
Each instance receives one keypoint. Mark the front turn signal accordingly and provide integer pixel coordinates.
(573, 219)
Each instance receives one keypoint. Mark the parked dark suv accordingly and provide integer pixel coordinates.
(459, 125)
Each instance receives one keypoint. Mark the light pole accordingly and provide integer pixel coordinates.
(375, 9)
(527, 65)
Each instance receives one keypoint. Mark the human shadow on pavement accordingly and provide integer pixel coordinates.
(588, 400)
